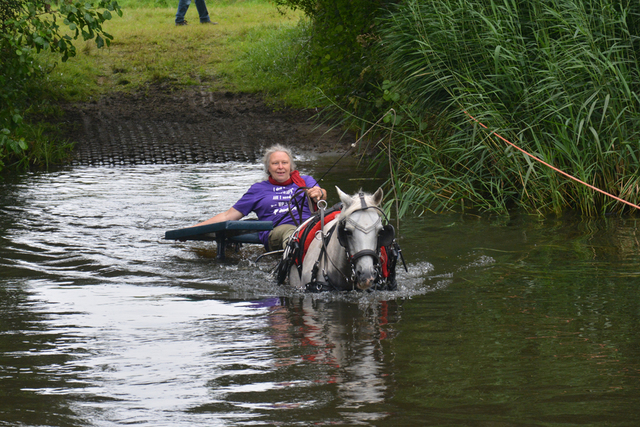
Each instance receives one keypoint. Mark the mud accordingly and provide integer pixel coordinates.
(162, 124)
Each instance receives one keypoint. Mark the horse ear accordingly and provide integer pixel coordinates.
(377, 196)
(344, 198)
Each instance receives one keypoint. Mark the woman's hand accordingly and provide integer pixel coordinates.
(316, 193)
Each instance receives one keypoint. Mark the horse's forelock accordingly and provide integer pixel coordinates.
(356, 205)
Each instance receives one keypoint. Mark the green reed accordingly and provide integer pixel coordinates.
(559, 78)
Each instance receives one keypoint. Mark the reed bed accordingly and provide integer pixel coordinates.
(559, 78)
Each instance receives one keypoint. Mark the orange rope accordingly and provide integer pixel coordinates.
(553, 167)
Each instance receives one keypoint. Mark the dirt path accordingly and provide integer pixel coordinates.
(165, 125)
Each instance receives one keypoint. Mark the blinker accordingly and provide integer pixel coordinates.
(386, 235)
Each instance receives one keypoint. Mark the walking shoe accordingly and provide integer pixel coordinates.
(182, 23)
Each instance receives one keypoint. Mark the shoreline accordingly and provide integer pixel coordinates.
(167, 125)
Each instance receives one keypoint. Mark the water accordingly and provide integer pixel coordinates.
(499, 322)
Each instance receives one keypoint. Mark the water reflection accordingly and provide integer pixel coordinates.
(338, 337)
(30, 361)
(324, 356)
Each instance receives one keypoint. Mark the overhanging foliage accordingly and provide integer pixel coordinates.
(28, 27)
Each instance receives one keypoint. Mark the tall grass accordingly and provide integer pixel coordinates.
(559, 78)
(274, 63)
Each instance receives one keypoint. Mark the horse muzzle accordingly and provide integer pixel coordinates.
(366, 284)
(365, 274)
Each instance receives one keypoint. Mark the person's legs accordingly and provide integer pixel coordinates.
(202, 11)
(280, 235)
(183, 6)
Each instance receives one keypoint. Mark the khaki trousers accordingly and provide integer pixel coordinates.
(280, 235)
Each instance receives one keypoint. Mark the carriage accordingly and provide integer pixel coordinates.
(350, 246)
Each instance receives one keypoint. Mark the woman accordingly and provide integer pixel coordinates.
(269, 199)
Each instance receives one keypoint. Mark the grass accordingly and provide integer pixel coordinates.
(148, 47)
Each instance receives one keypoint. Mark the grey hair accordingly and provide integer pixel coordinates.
(275, 149)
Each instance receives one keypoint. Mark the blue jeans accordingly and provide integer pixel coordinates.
(183, 6)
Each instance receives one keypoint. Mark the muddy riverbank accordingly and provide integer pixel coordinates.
(162, 124)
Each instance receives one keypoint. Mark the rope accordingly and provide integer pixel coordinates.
(553, 167)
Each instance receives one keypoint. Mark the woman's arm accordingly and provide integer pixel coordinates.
(231, 215)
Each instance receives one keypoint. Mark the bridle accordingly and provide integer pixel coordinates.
(386, 236)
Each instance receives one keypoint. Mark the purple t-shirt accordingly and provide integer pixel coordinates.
(269, 202)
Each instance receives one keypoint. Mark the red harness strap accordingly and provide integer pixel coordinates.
(311, 233)
(383, 261)
(315, 229)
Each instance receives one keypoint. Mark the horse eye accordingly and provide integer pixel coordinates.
(348, 232)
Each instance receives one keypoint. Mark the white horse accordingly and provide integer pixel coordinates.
(345, 255)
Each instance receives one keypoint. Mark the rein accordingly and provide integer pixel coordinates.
(298, 205)
(324, 253)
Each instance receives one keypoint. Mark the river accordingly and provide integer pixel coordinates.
(518, 321)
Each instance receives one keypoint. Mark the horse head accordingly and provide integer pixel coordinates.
(361, 233)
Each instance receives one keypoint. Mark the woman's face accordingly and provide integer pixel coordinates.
(280, 166)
